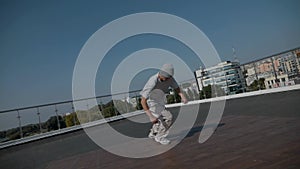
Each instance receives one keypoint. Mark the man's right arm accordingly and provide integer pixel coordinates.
(146, 109)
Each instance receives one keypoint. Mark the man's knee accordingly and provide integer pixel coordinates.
(167, 115)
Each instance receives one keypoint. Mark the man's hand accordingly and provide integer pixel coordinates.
(184, 100)
(153, 119)
(148, 112)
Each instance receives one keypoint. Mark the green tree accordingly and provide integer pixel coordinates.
(108, 112)
(14, 135)
(52, 123)
(71, 119)
(257, 84)
(173, 98)
(82, 116)
(2, 134)
(254, 86)
(245, 72)
(206, 92)
(139, 104)
(30, 129)
(261, 83)
(170, 99)
(123, 106)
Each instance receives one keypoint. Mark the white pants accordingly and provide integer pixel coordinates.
(161, 128)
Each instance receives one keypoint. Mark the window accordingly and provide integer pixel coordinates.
(227, 67)
(207, 82)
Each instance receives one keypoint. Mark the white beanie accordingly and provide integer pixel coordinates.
(167, 70)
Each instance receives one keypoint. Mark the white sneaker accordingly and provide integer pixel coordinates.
(162, 140)
(151, 135)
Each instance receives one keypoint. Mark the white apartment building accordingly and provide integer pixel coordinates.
(279, 81)
(228, 75)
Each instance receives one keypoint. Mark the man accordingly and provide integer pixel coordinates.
(153, 102)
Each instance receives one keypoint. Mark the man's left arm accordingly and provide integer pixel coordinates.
(183, 98)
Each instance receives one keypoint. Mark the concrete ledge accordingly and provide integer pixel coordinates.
(241, 95)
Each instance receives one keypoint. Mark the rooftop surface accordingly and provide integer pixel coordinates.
(254, 132)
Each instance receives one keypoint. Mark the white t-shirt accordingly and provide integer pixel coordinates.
(154, 91)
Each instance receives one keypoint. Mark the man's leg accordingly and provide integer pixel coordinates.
(154, 130)
(167, 119)
(157, 109)
(164, 123)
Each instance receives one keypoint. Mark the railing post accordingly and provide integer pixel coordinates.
(73, 113)
(114, 108)
(174, 94)
(138, 104)
(101, 105)
(39, 116)
(57, 118)
(137, 101)
(101, 108)
(20, 124)
(88, 112)
(126, 104)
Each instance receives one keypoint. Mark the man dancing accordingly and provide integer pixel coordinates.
(153, 102)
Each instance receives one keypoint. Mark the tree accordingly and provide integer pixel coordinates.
(82, 116)
(108, 112)
(2, 134)
(261, 83)
(206, 92)
(30, 129)
(173, 98)
(245, 73)
(13, 134)
(170, 99)
(71, 119)
(123, 106)
(211, 91)
(52, 123)
(257, 85)
(254, 85)
(139, 104)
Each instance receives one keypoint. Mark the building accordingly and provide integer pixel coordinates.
(278, 70)
(227, 75)
(190, 88)
(282, 80)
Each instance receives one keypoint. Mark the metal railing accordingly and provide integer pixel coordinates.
(40, 119)
(32, 120)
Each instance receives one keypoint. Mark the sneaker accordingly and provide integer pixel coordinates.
(162, 140)
(166, 134)
(151, 135)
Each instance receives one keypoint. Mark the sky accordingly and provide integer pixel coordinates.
(41, 40)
